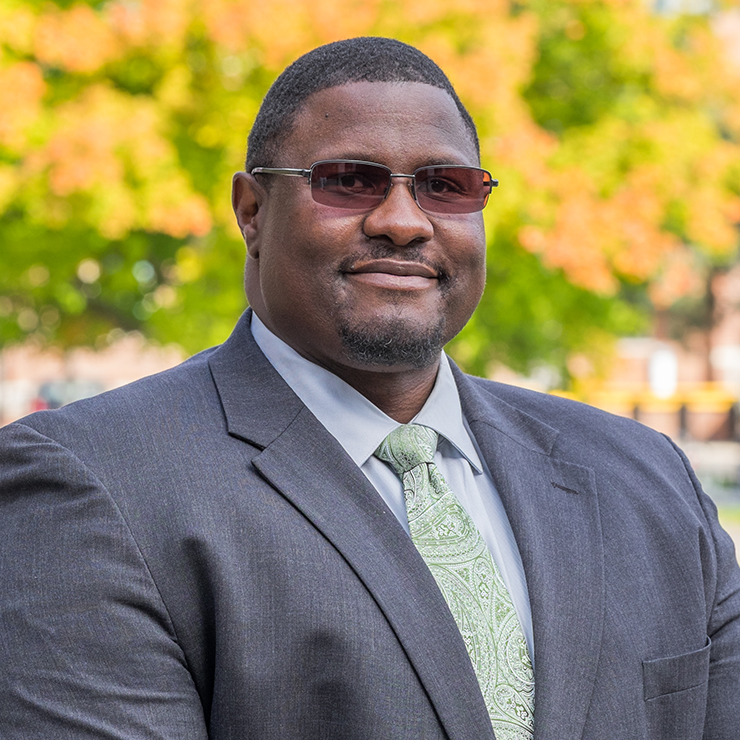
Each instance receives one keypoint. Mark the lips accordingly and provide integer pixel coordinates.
(394, 267)
(389, 273)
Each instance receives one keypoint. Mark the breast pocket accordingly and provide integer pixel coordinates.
(675, 691)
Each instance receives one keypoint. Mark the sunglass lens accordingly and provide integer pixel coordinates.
(349, 184)
(450, 189)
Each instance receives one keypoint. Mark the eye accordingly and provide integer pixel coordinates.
(354, 183)
(348, 183)
(441, 186)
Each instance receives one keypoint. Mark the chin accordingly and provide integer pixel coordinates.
(394, 343)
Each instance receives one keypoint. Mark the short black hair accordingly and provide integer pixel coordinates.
(362, 59)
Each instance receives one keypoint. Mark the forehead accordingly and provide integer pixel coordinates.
(405, 124)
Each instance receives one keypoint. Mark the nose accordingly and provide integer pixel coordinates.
(399, 217)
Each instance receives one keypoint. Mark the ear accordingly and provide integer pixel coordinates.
(247, 197)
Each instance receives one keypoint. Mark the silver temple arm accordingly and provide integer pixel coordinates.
(287, 171)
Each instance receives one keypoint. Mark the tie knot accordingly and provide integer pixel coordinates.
(408, 446)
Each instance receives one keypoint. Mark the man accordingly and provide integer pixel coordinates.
(249, 546)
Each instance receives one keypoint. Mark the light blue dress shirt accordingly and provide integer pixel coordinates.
(360, 426)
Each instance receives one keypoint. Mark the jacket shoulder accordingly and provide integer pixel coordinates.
(582, 433)
(147, 407)
(561, 413)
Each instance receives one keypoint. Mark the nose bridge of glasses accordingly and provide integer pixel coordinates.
(411, 183)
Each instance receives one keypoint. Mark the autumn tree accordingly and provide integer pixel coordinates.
(614, 132)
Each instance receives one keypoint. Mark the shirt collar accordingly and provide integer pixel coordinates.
(357, 424)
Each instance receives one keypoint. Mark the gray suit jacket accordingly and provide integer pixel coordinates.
(194, 556)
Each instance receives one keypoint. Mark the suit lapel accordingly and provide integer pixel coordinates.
(553, 510)
(307, 466)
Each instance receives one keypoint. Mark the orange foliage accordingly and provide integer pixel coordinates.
(159, 22)
(596, 202)
(104, 141)
(281, 30)
(708, 220)
(178, 212)
(674, 76)
(526, 148)
(594, 239)
(22, 88)
(81, 154)
(679, 277)
(77, 40)
(603, 220)
(16, 28)
(576, 244)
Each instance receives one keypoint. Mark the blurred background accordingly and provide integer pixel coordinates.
(613, 126)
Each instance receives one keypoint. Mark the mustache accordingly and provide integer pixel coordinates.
(389, 251)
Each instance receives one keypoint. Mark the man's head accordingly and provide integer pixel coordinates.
(364, 59)
(381, 288)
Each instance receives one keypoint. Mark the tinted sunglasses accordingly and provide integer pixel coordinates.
(346, 183)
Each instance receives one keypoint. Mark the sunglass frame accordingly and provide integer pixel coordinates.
(308, 174)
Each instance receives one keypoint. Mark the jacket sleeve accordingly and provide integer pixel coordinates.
(87, 649)
(722, 721)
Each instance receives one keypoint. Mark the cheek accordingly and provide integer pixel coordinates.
(299, 271)
(470, 276)
(471, 254)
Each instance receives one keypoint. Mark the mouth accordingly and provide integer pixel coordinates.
(393, 274)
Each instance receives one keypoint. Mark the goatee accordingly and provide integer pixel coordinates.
(394, 343)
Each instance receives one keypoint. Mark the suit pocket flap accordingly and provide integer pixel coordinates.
(677, 673)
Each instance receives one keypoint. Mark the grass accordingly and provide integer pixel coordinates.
(729, 516)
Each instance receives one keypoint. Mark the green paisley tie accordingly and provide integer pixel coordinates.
(469, 579)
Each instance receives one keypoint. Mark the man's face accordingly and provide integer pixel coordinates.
(366, 290)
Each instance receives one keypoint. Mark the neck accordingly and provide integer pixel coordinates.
(400, 394)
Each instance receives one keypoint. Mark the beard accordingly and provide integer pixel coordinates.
(394, 340)
(394, 343)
